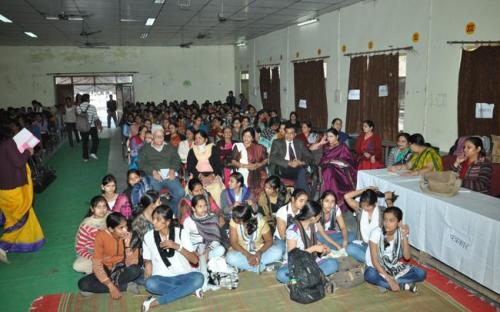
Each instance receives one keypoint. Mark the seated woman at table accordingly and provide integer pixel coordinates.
(388, 244)
(424, 158)
(474, 169)
(338, 166)
(401, 153)
(369, 148)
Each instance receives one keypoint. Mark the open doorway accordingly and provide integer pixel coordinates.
(99, 87)
(99, 96)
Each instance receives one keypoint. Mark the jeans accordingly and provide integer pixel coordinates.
(280, 243)
(337, 237)
(328, 266)
(70, 129)
(238, 260)
(171, 288)
(112, 115)
(356, 251)
(85, 142)
(175, 190)
(90, 283)
(415, 274)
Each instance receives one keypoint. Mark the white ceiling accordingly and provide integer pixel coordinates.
(174, 24)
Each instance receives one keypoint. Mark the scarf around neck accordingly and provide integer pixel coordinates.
(165, 254)
(391, 263)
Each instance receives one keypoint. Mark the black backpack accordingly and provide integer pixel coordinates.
(307, 282)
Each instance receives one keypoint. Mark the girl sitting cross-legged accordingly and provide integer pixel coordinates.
(305, 222)
(387, 246)
(251, 241)
(94, 221)
(114, 263)
(168, 255)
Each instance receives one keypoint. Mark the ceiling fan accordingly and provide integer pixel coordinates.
(223, 19)
(186, 44)
(93, 45)
(67, 16)
(86, 30)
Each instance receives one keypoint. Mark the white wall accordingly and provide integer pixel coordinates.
(432, 67)
(161, 71)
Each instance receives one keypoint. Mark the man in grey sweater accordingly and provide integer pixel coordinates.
(161, 161)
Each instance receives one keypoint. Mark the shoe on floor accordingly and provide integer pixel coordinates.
(93, 156)
(147, 304)
(411, 287)
(3, 256)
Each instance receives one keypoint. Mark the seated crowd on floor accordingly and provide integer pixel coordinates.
(212, 187)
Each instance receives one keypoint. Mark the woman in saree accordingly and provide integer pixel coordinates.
(225, 146)
(369, 148)
(250, 159)
(424, 158)
(21, 230)
(337, 164)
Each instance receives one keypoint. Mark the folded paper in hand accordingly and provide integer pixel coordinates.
(25, 139)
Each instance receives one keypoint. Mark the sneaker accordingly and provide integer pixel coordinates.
(199, 293)
(133, 288)
(146, 305)
(273, 266)
(411, 287)
(93, 156)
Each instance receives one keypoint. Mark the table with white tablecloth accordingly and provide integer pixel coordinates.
(462, 231)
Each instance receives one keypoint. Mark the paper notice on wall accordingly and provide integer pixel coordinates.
(354, 94)
(484, 110)
(302, 103)
(383, 90)
(264, 95)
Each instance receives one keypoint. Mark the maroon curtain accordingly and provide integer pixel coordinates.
(383, 70)
(479, 82)
(358, 72)
(309, 79)
(265, 86)
(275, 98)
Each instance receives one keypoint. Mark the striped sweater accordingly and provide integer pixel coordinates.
(85, 237)
(478, 175)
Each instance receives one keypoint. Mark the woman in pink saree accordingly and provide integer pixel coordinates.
(337, 166)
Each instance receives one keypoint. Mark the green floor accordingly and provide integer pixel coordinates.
(60, 210)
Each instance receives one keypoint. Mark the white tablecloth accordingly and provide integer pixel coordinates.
(462, 231)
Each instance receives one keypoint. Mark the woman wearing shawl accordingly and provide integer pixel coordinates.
(236, 194)
(21, 230)
(424, 158)
(337, 164)
(387, 246)
(225, 146)
(369, 148)
(250, 159)
(195, 187)
(401, 153)
(204, 233)
(168, 255)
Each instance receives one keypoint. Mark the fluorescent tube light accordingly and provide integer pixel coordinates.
(144, 35)
(4, 19)
(52, 18)
(150, 21)
(30, 34)
(159, 1)
(75, 18)
(125, 20)
(241, 44)
(313, 20)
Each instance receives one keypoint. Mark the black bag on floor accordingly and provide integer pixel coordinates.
(41, 175)
(307, 282)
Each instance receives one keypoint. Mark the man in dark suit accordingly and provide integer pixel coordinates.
(289, 157)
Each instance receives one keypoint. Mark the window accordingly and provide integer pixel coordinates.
(245, 75)
(402, 90)
(325, 67)
(63, 80)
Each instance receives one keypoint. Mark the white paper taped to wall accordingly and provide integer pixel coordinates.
(302, 103)
(383, 90)
(484, 110)
(354, 94)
